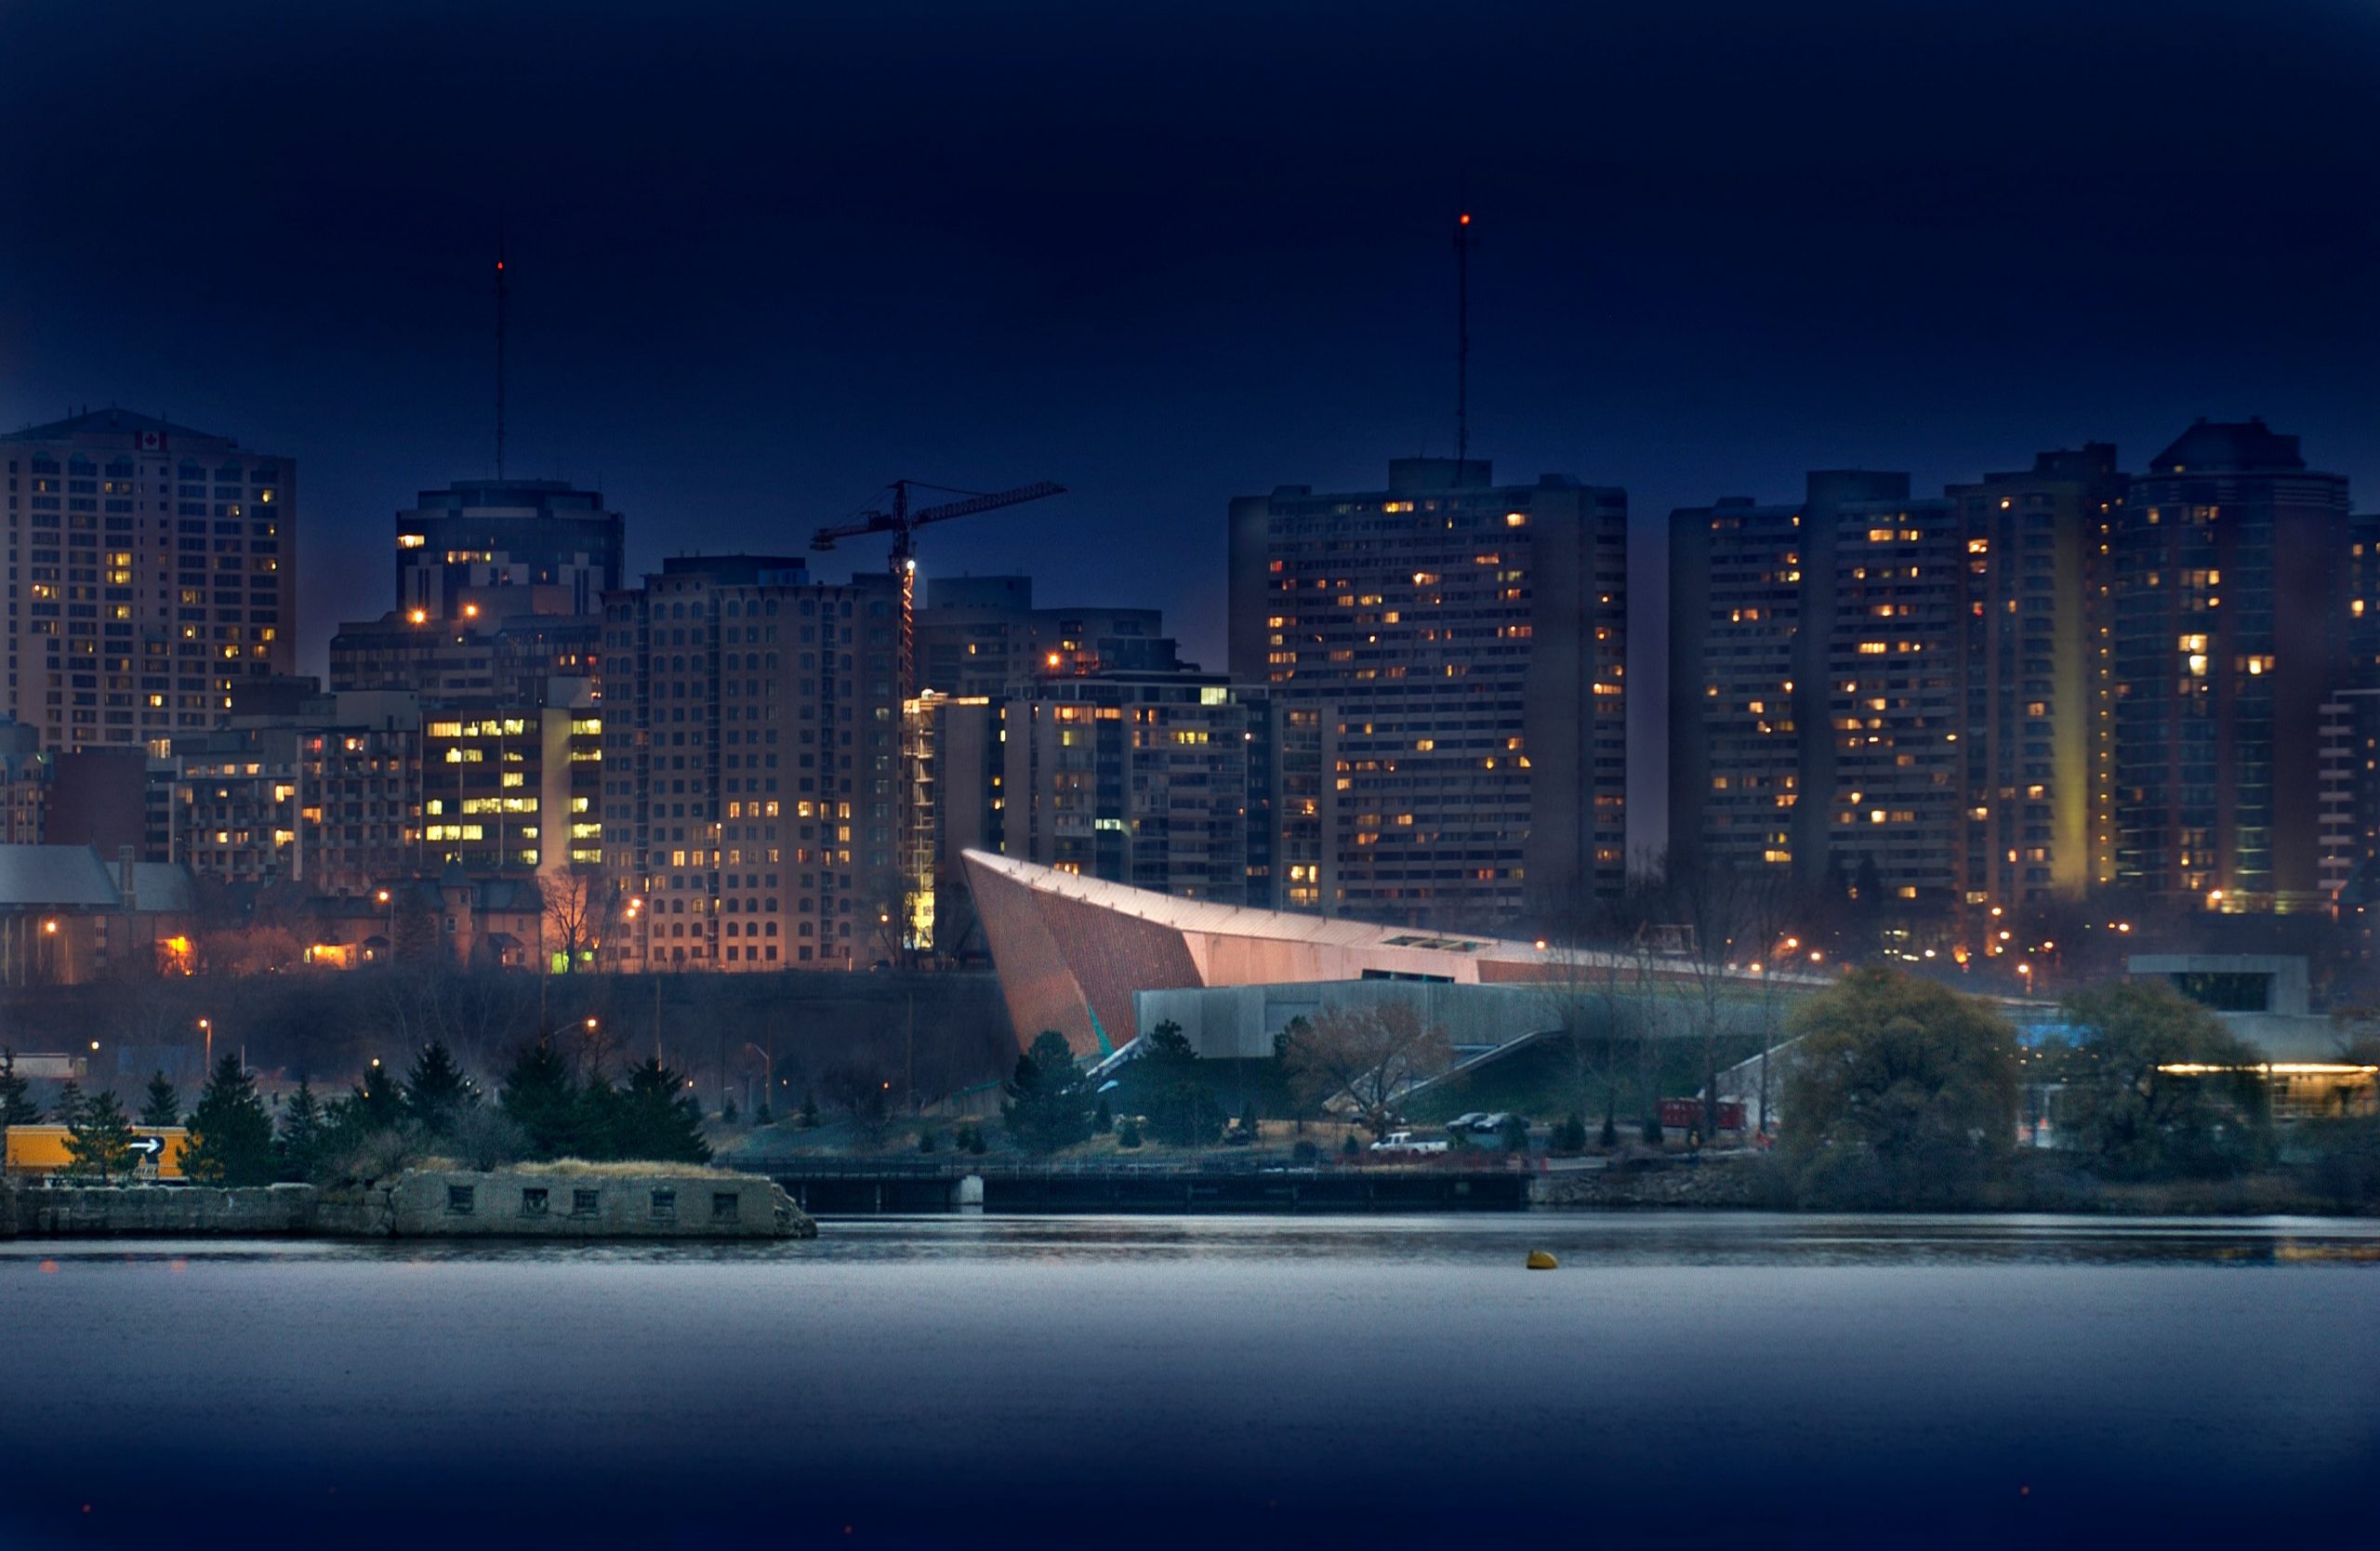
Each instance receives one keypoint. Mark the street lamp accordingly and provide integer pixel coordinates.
(206, 1028)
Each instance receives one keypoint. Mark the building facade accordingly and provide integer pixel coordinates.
(159, 568)
(28, 778)
(499, 585)
(1752, 688)
(1894, 712)
(487, 536)
(1145, 779)
(325, 796)
(982, 635)
(2230, 625)
(2038, 728)
(513, 788)
(1464, 646)
(752, 766)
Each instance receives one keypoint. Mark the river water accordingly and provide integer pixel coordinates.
(1119, 1382)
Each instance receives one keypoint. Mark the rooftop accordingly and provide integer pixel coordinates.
(72, 877)
(111, 422)
(2228, 446)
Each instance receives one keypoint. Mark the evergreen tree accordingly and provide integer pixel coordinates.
(164, 1106)
(727, 1110)
(540, 1097)
(1048, 1105)
(436, 1091)
(656, 1120)
(70, 1103)
(1182, 1108)
(99, 1140)
(1127, 1135)
(302, 1132)
(1103, 1120)
(809, 1119)
(378, 1104)
(600, 1117)
(762, 1114)
(16, 1107)
(231, 1134)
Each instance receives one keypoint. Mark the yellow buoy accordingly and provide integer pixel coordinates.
(1540, 1261)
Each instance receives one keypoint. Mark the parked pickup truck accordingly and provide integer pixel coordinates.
(1403, 1144)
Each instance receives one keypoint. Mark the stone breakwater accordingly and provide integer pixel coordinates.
(422, 1204)
(1714, 1186)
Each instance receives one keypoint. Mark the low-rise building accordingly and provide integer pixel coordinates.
(68, 916)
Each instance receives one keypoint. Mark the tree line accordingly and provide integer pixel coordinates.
(1901, 1092)
(544, 1109)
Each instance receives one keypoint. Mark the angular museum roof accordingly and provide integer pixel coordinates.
(1241, 920)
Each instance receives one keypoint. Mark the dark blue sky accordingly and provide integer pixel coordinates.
(767, 258)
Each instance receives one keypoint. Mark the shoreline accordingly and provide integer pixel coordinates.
(594, 1205)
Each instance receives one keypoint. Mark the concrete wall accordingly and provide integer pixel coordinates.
(518, 1204)
(421, 1204)
(274, 1209)
(1238, 1022)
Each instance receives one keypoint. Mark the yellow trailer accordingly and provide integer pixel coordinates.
(40, 1149)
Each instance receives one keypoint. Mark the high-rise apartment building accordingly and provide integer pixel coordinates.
(499, 584)
(1752, 761)
(509, 657)
(752, 766)
(1893, 700)
(982, 635)
(2039, 727)
(158, 569)
(1911, 691)
(509, 786)
(484, 536)
(2232, 614)
(1140, 778)
(321, 791)
(1463, 644)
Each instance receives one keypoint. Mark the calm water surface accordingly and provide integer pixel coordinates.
(1137, 1381)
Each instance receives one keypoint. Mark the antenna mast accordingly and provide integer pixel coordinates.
(499, 351)
(1462, 335)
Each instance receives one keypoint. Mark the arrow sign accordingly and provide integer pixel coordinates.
(153, 1146)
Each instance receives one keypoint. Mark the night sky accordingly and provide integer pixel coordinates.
(767, 258)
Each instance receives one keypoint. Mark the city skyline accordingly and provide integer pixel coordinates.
(1662, 305)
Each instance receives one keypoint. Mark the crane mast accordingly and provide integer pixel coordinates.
(902, 521)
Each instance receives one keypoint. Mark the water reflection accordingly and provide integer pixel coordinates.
(1582, 1241)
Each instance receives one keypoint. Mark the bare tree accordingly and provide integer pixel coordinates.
(1369, 1056)
(1600, 972)
(581, 904)
(1730, 916)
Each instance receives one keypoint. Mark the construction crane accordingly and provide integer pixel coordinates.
(901, 521)
(914, 866)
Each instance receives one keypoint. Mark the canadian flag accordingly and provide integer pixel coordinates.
(153, 441)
